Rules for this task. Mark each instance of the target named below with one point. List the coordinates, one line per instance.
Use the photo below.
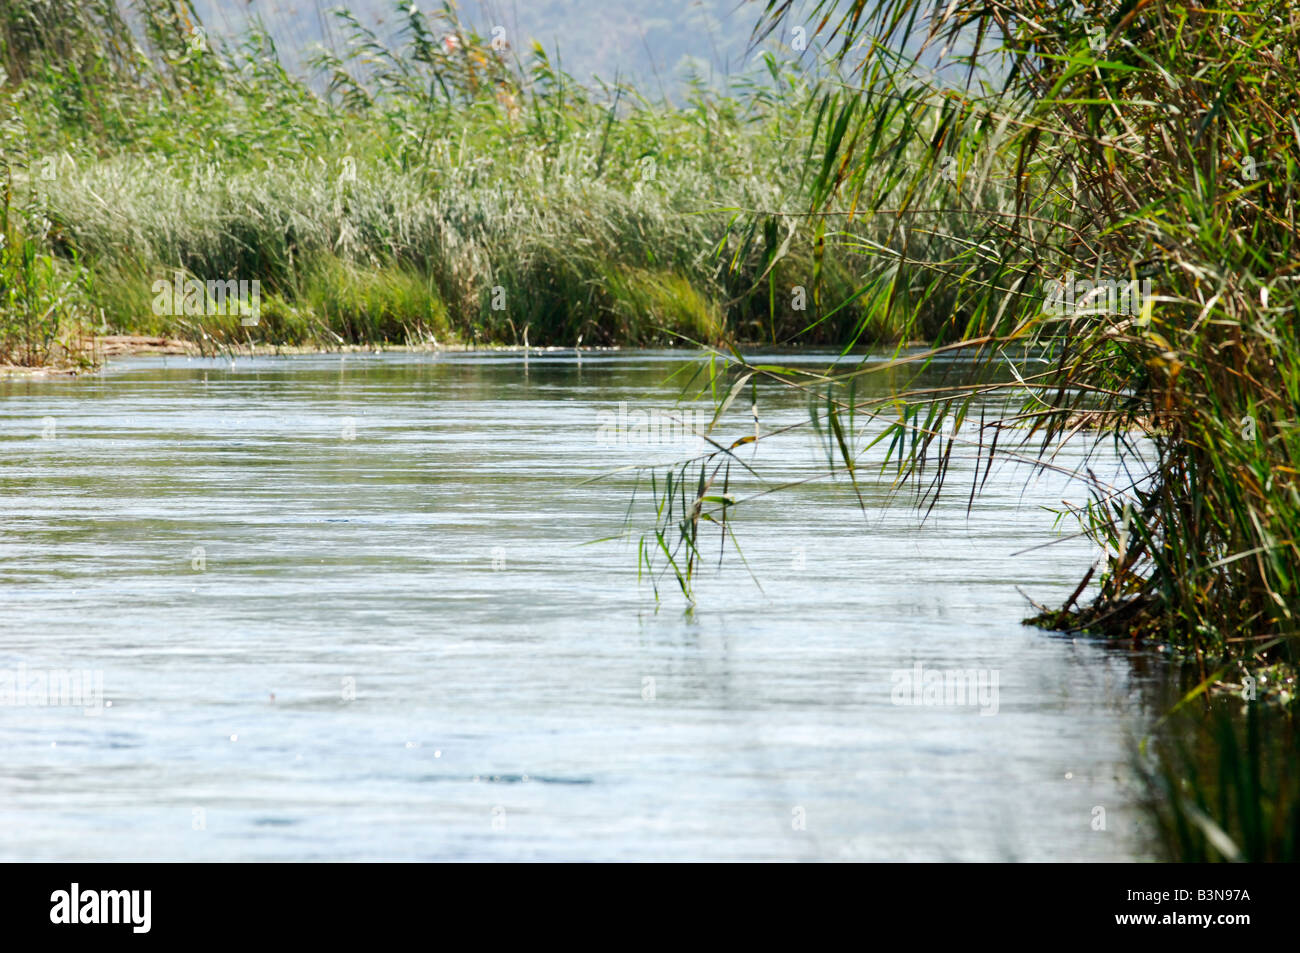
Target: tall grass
(42, 298)
(505, 200)
(1114, 146)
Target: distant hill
(654, 43)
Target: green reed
(488, 194)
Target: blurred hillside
(656, 44)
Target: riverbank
(100, 349)
(466, 192)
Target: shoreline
(107, 347)
(103, 348)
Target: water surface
(349, 608)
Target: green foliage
(1113, 141)
(477, 175)
(41, 296)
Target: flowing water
(357, 607)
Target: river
(351, 608)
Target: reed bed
(445, 190)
